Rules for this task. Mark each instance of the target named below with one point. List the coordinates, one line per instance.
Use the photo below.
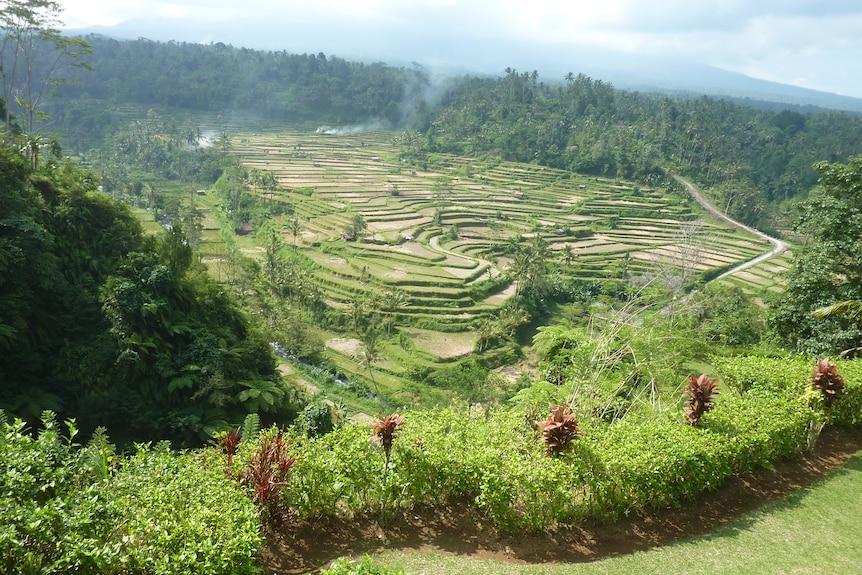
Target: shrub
(786, 376)
(51, 518)
(67, 510)
(182, 515)
(848, 411)
(558, 429)
(825, 379)
(334, 473)
(491, 460)
(759, 427)
(229, 443)
(316, 419)
(699, 393)
(266, 472)
(384, 430)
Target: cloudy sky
(808, 43)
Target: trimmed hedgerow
(181, 514)
(786, 376)
(494, 462)
(846, 411)
(790, 378)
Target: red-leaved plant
(229, 443)
(560, 428)
(384, 430)
(826, 380)
(699, 393)
(267, 472)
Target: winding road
(778, 246)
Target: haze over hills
(484, 55)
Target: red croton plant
(267, 472)
(229, 443)
(826, 380)
(699, 393)
(558, 429)
(384, 427)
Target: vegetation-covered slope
(120, 329)
(374, 241)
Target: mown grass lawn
(814, 531)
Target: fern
(250, 427)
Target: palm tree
(487, 332)
(370, 353)
(568, 255)
(393, 300)
(295, 228)
(356, 312)
(851, 308)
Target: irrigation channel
(778, 246)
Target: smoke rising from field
(350, 130)
(207, 138)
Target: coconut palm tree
(393, 300)
(370, 353)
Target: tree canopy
(826, 268)
(116, 328)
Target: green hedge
(64, 510)
(494, 462)
(790, 378)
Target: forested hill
(224, 79)
(751, 160)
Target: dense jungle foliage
(752, 160)
(99, 321)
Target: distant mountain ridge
(485, 56)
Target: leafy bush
(790, 378)
(336, 472)
(266, 472)
(65, 509)
(384, 427)
(183, 515)
(759, 427)
(786, 376)
(558, 429)
(847, 410)
(52, 516)
(827, 381)
(494, 461)
(316, 418)
(652, 465)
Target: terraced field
(440, 234)
(764, 276)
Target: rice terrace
(439, 234)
